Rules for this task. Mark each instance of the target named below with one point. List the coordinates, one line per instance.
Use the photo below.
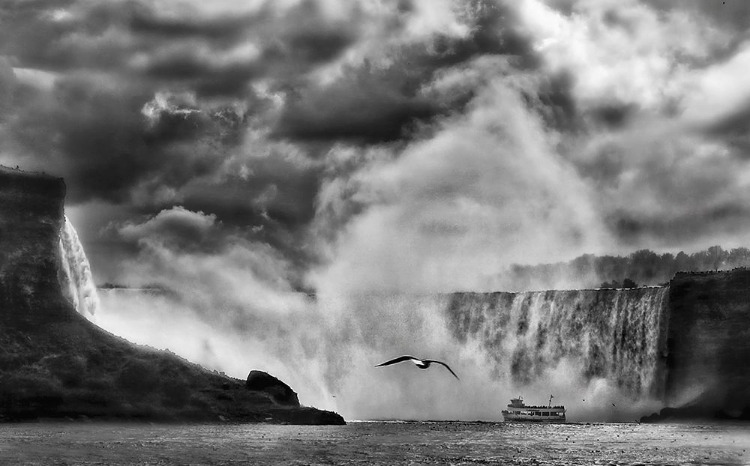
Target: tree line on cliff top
(640, 268)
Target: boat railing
(537, 407)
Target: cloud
(7, 85)
(368, 107)
(178, 228)
(658, 116)
(381, 98)
(241, 111)
(719, 98)
(94, 134)
(730, 15)
(225, 108)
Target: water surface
(455, 443)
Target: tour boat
(518, 411)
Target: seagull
(421, 363)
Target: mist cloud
(430, 232)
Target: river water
(384, 443)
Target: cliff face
(708, 363)
(31, 215)
(54, 363)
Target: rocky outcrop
(56, 364)
(279, 391)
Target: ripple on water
(375, 443)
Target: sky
(246, 154)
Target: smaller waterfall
(76, 280)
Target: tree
(739, 257)
(628, 283)
(682, 262)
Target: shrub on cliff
(139, 376)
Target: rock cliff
(708, 362)
(56, 364)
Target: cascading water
(613, 334)
(77, 282)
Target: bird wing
(443, 364)
(396, 360)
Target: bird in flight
(420, 363)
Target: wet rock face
(708, 363)
(278, 390)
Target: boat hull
(530, 418)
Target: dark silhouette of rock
(279, 391)
(709, 341)
(54, 363)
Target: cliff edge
(56, 364)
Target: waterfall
(616, 335)
(77, 282)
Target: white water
(76, 280)
(615, 336)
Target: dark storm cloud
(557, 104)
(144, 108)
(28, 33)
(276, 193)
(305, 37)
(215, 55)
(7, 86)
(206, 79)
(365, 108)
(372, 103)
(612, 115)
(224, 29)
(734, 129)
(97, 137)
(273, 204)
(221, 56)
(111, 60)
(633, 228)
